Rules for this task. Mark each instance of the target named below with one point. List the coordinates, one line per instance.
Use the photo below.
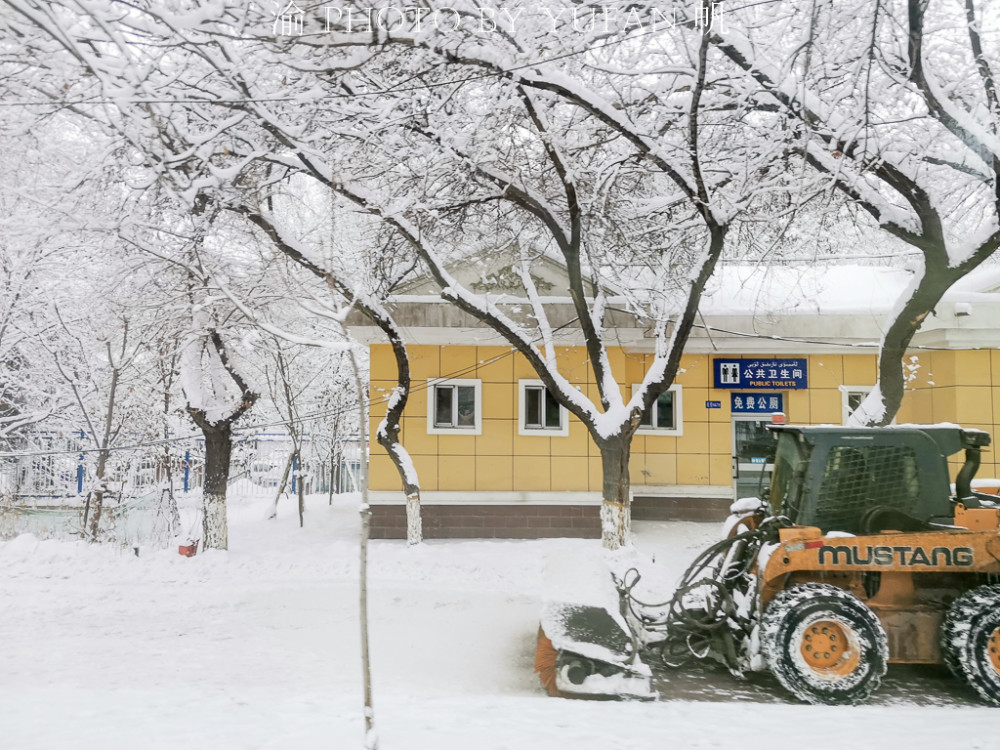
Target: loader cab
(837, 478)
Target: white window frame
(433, 429)
(678, 430)
(522, 429)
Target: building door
(753, 447)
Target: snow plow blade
(585, 648)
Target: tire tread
(798, 601)
(959, 632)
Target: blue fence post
(79, 468)
(187, 468)
(295, 464)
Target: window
(539, 413)
(664, 416)
(851, 397)
(858, 478)
(454, 406)
(785, 495)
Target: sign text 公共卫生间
(770, 374)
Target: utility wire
(447, 376)
(327, 97)
(280, 423)
(248, 428)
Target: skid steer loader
(857, 556)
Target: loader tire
(970, 641)
(824, 644)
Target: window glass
(443, 406)
(660, 414)
(854, 399)
(532, 406)
(786, 460)
(454, 405)
(857, 478)
(553, 416)
(665, 410)
(851, 397)
(541, 410)
(466, 406)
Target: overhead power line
(311, 417)
(423, 386)
(230, 101)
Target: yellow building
(496, 457)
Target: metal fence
(47, 495)
(134, 522)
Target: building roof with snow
(745, 308)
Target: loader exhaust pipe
(963, 482)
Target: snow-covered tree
(217, 396)
(297, 378)
(179, 148)
(359, 274)
(896, 104)
(52, 208)
(98, 374)
(629, 187)
(537, 141)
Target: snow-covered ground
(259, 648)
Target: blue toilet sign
(769, 374)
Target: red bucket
(189, 550)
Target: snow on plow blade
(585, 648)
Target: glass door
(753, 449)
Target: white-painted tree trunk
(616, 508)
(414, 526)
(215, 531)
(616, 525)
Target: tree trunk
(388, 434)
(388, 438)
(98, 506)
(302, 490)
(218, 448)
(175, 515)
(414, 524)
(882, 405)
(95, 516)
(281, 485)
(329, 481)
(168, 464)
(616, 510)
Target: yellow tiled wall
(961, 387)
(498, 459)
(950, 386)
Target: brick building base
(491, 521)
(680, 508)
(536, 521)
